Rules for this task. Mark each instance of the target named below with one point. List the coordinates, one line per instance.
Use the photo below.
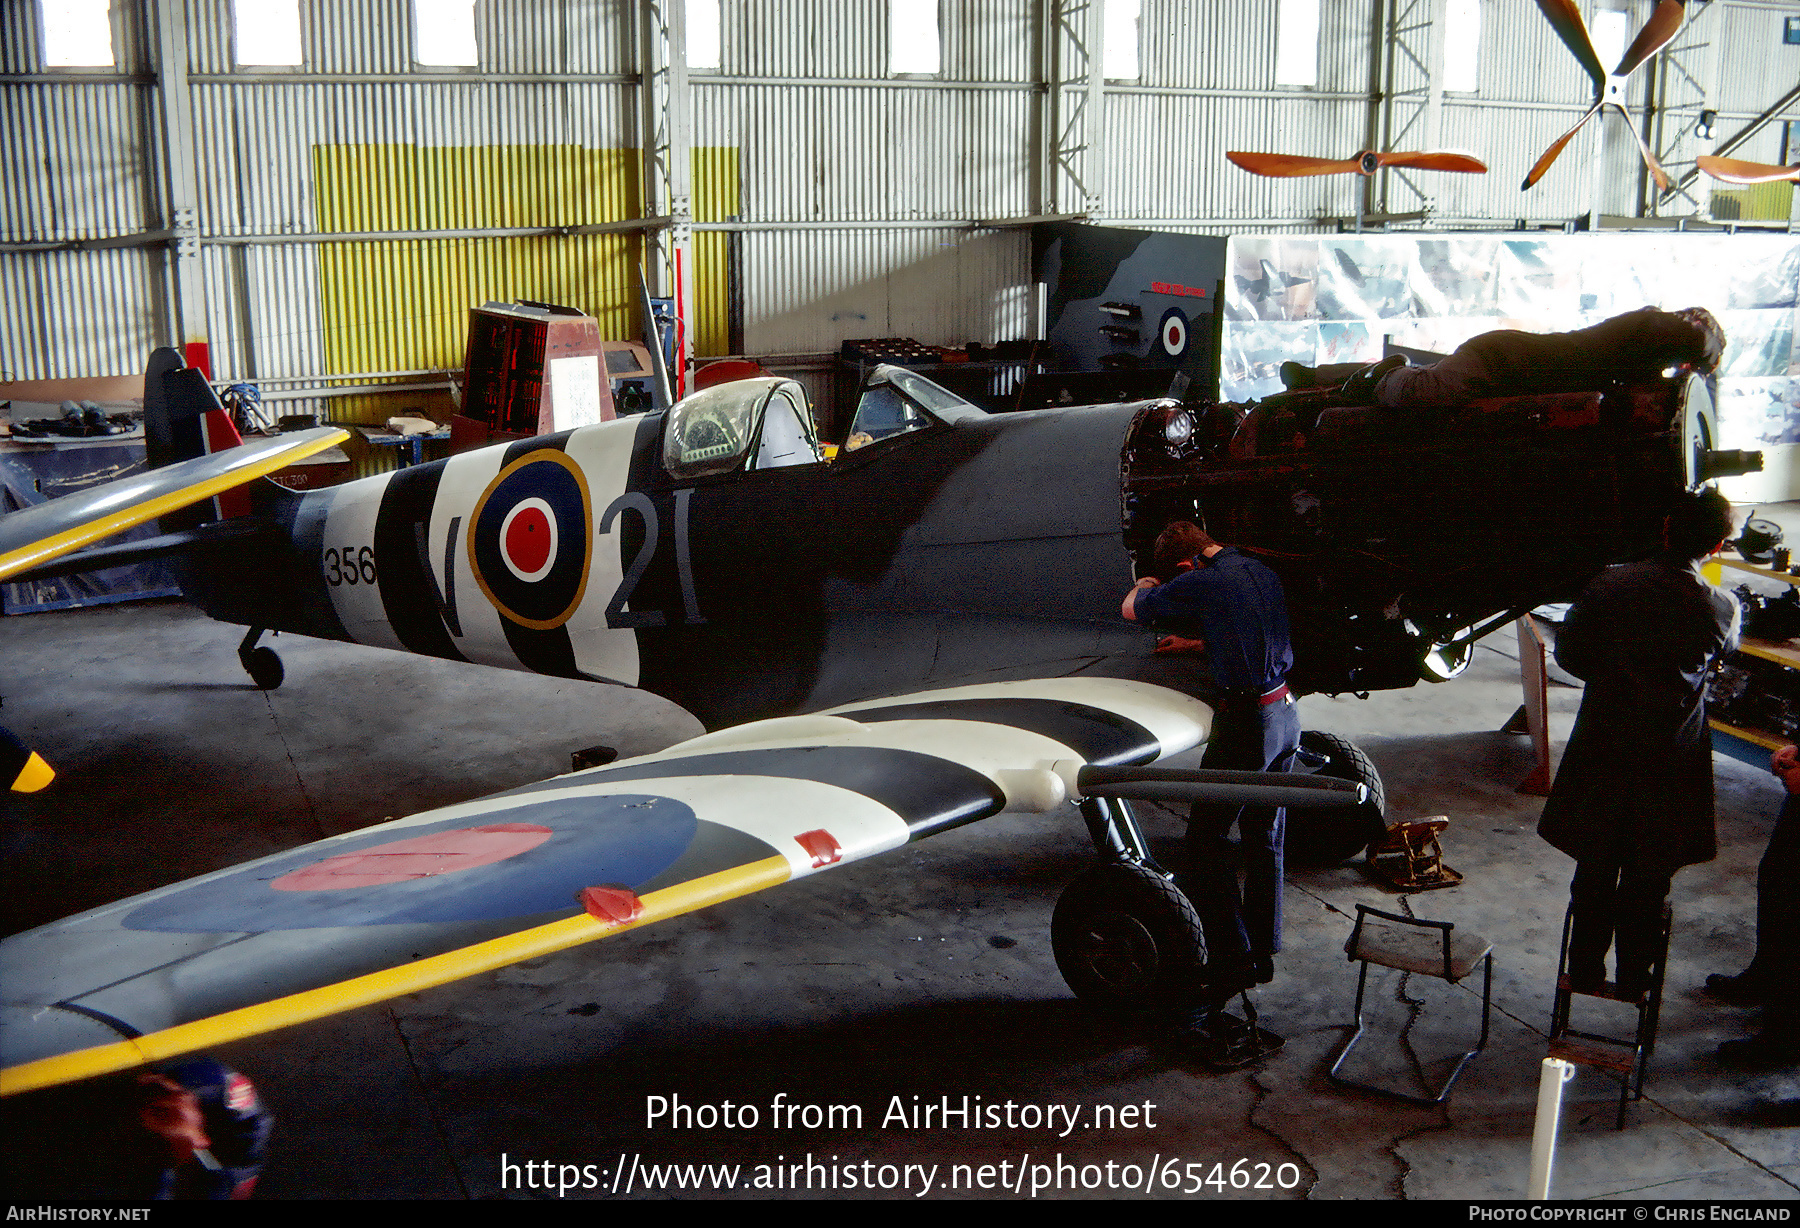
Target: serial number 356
(350, 566)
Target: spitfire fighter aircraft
(913, 634)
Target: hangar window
(444, 33)
(703, 35)
(77, 33)
(1297, 43)
(1121, 54)
(1608, 33)
(266, 31)
(1462, 45)
(714, 431)
(913, 45)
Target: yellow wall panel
(404, 305)
(715, 178)
(1760, 202)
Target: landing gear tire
(1328, 835)
(1126, 938)
(265, 668)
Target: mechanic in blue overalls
(1235, 608)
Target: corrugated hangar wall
(841, 196)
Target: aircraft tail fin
(184, 419)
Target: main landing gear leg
(263, 666)
(1113, 827)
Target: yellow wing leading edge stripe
(55, 546)
(389, 982)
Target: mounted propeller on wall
(1731, 170)
(1366, 163)
(1609, 89)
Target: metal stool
(1628, 1058)
(1408, 945)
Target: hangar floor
(924, 974)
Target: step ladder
(1628, 1057)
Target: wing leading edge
(33, 536)
(449, 893)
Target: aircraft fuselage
(982, 547)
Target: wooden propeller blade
(1565, 19)
(1656, 171)
(1290, 166)
(1731, 170)
(1436, 160)
(1543, 164)
(1655, 35)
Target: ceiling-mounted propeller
(1293, 166)
(1731, 170)
(1366, 163)
(1609, 89)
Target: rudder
(184, 419)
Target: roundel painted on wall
(1173, 332)
(531, 539)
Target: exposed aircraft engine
(1403, 534)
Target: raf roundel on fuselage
(532, 537)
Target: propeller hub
(1368, 162)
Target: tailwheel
(263, 666)
(265, 669)
(1125, 937)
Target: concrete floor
(926, 973)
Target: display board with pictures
(1331, 299)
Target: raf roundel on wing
(532, 540)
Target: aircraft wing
(35, 535)
(421, 901)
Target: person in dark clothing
(1633, 797)
(1234, 608)
(1506, 362)
(1772, 981)
(1636, 345)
